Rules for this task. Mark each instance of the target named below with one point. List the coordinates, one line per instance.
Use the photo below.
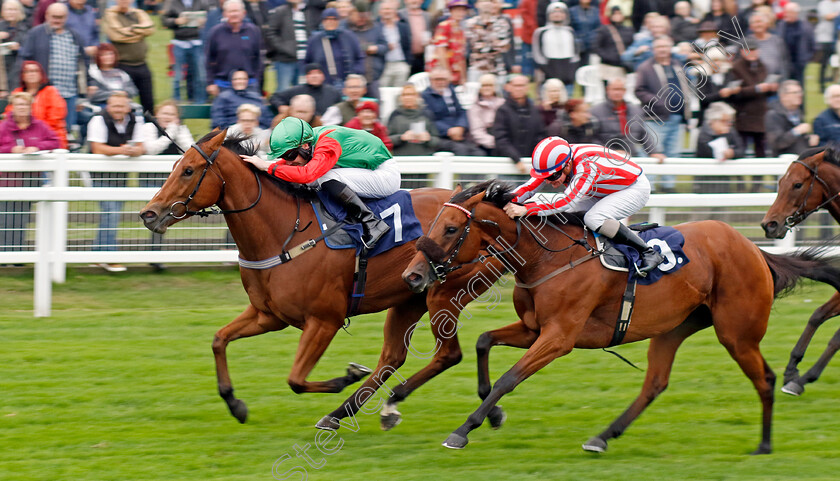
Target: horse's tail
(812, 263)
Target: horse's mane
(242, 144)
(499, 193)
(831, 153)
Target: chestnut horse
(811, 183)
(311, 291)
(567, 302)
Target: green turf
(119, 384)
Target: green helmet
(289, 134)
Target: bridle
(798, 216)
(210, 160)
(441, 269)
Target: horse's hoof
(328, 423)
(455, 441)
(357, 372)
(595, 445)
(793, 388)
(496, 417)
(390, 421)
(239, 410)
(762, 449)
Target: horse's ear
(216, 141)
(474, 200)
(457, 190)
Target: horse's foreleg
(316, 337)
(250, 323)
(792, 383)
(397, 329)
(549, 345)
(661, 353)
(514, 335)
(797, 386)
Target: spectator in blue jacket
(223, 109)
(799, 39)
(233, 45)
(335, 49)
(642, 47)
(449, 117)
(397, 32)
(372, 42)
(585, 20)
(827, 123)
(81, 18)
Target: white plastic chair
(420, 80)
(589, 77)
(388, 102)
(630, 94)
(467, 94)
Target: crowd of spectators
(500, 76)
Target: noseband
(209, 161)
(440, 269)
(799, 215)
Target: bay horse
(811, 183)
(567, 302)
(311, 291)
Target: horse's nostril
(148, 215)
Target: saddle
(667, 240)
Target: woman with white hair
(555, 47)
(719, 141)
(553, 97)
(482, 113)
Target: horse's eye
(451, 230)
(797, 185)
(188, 172)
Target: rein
(210, 160)
(441, 269)
(792, 220)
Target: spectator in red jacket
(367, 118)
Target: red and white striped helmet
(550, 155)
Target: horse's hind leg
(250, 323)
(741, 335)
(514, 335)
(661, 353)
(316, 337)
(793, 384)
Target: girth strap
(359, 281)
(628, 300)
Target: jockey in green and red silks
(345, 163)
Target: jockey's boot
(650, 257)
(374, 227)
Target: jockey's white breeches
(617, 205)
(382, 182)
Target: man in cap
(343, 162)
(335, 49)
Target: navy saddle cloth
(667, 240)
(396, 210)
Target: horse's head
(451, 241)
(194, 184)
(801, 192)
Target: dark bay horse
(811, 183)
(311, 291)
(729, 284)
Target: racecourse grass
(119, 384)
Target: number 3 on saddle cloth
(667, 240)
(396, 210)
